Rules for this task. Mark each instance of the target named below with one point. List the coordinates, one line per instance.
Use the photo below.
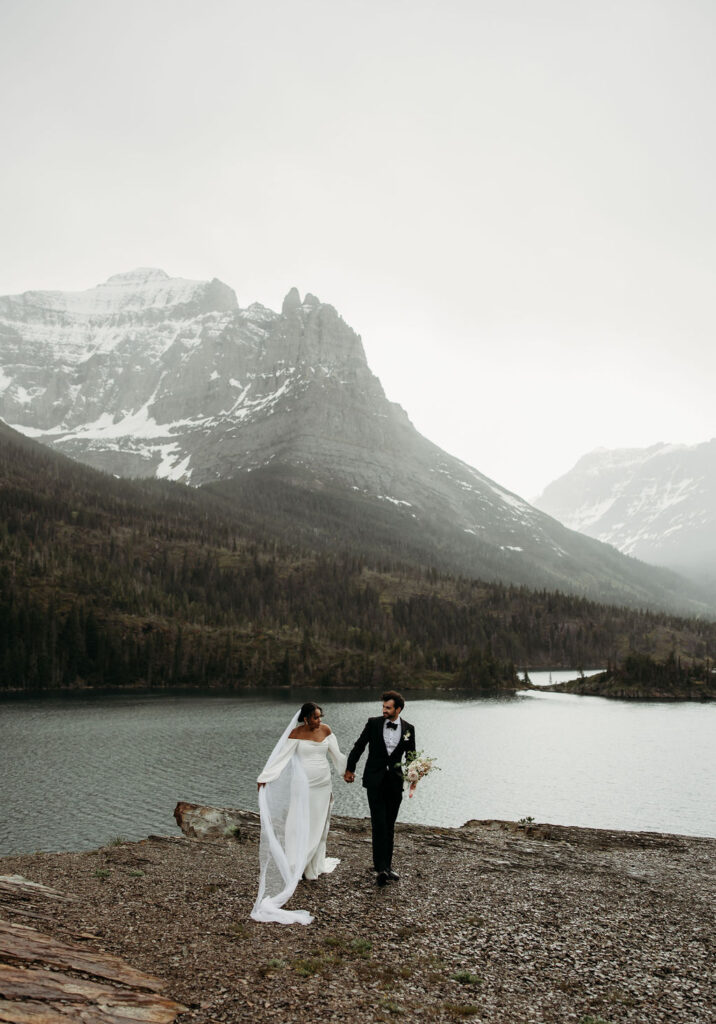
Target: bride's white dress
(313, 758)
(295, 806)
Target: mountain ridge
(657, 503)
(159, 385)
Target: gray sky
(512, 201)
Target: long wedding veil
(283, 848)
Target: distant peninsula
(641, 677)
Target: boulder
(200, 822)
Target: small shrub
(462, 1009)
(362, 947)
(102, 873)
(307, 967)
(467, 978)
(391, 1007)
(271, 965)
(389, 974)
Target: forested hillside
(109, 583)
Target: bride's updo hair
(307, 710)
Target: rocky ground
(491, 922)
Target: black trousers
(384, 801)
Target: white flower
(417, 766)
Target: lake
(77, 773)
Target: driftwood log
(40, 976)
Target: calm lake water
(75, 774)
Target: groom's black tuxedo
(383, 780)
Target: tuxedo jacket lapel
(379, 761)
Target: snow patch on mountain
(657, 504)
(171, 465)
(394, 501)
(151, 376)
(140, 289)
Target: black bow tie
(392, 725)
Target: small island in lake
(640, 677)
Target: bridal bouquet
(417, 766)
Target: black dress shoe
(394, 876)
(381, 878)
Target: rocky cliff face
(151, 376)
(147, 375)
(657, 504)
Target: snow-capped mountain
(147, 375)
(657, 504)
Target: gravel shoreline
(490, 922)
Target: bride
(295, 803)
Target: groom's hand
(349, 776)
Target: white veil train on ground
(283, 848)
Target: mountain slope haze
(657, 504)
(151, 376)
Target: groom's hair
(395, 697)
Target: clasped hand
(349, 776)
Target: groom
(388, 737)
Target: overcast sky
(511, 201)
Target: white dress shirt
(391, 737)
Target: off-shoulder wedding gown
(295, 806)
(313, 758)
